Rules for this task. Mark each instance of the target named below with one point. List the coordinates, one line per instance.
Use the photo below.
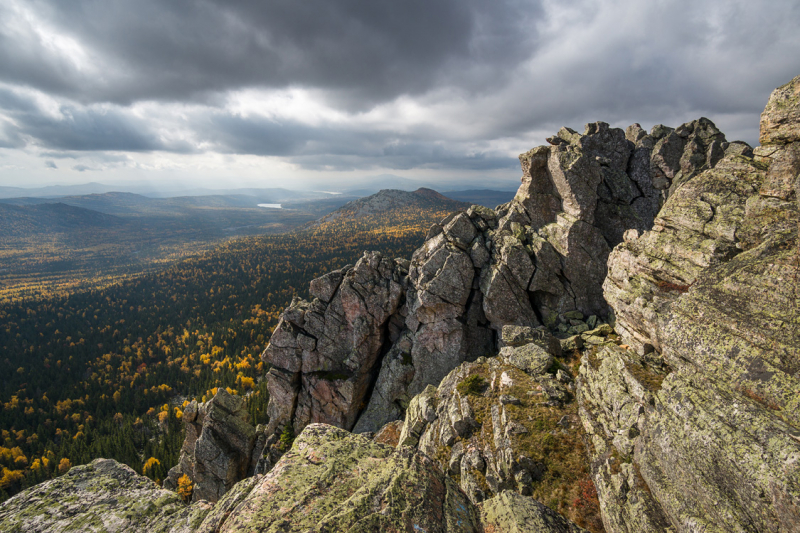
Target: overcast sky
(296, 93)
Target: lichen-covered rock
(673, 450)
(510, 512)
(217, 450)
(698, 227)
(496, 428)
(702, 433)
(101, 497)
(332, 480)
(780, 121)
(530, 358)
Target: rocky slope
(330, 480)
(621, 342)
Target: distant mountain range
(364, 187)
(276, 195)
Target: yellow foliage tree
(185, 487)
(64, 465)
(9, 477)
(149, 464)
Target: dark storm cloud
(77, 128)
(446, 81)
(365, 51)
(342, 148)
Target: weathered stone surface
(421, 411)
(101, 497)
(497, 428)
(780, 121)
(217, 451)
(522, 335)
(389, 434)
(783, 174)
(702, 432)
(655, 468)
(443, 319)
(323, 355)
(699, 226)
(530, 358)
(349, 483)
(324, 287)
(510, 512)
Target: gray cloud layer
(480, 79)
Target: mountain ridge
(390, 199)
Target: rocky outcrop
(103, 496)
(509, 423)
(696, 428)
(538, 260)
(330, 480)
(637, 302)
(217, 450)
(508, 512)
(780, 121)
(323, 354)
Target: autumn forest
(107, 372)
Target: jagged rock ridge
(697, 427)
(691, 418)
(528, 263)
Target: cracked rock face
(217, 450)
(375, 335)
(323, 352)
(696, 427)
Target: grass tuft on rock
(473, 385)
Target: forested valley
(107, 372)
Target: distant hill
(25, 220)
(485, 197)
(52, 191)
(392, 199)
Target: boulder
(530, 358)
(347, 482)
(511, 512)
(780, 121)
